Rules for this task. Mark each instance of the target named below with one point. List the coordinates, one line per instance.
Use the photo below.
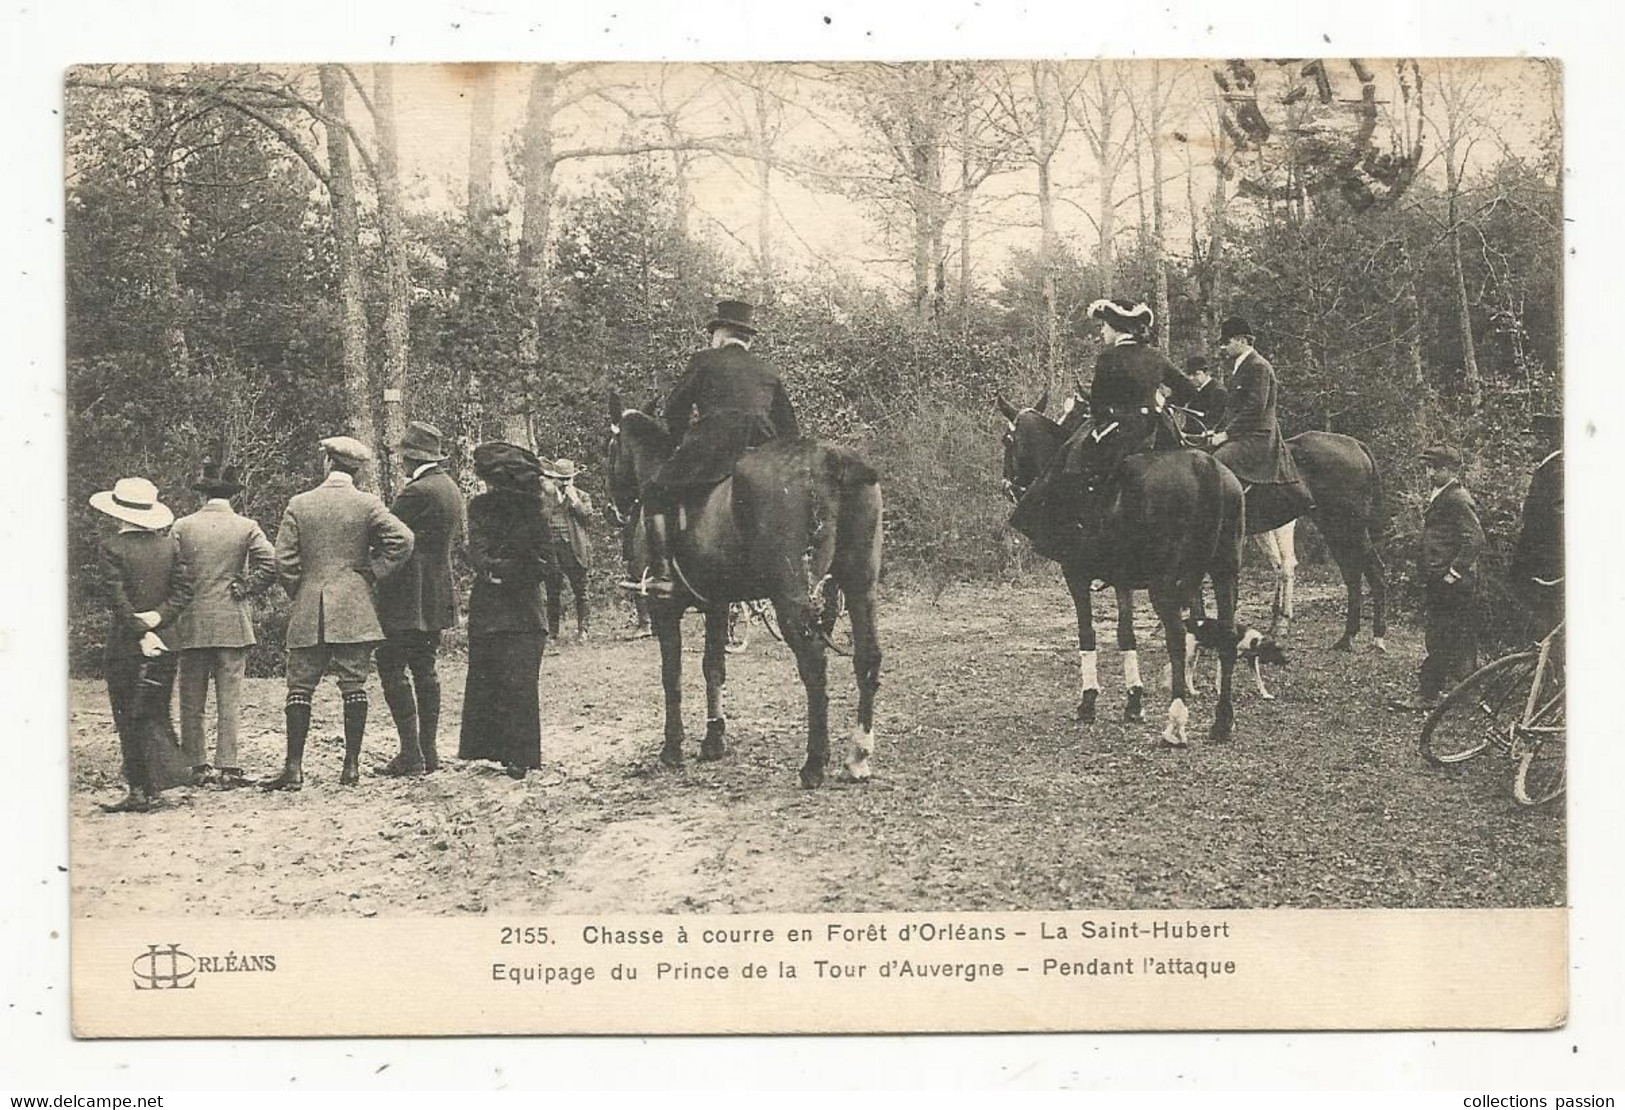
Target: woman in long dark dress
(511, 549)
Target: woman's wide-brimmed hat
(1235, 328)
(506, 463)
(1131, 318)
(422, 442)
(218, 481)
(134, 501)
(733, 314)
(564, 470)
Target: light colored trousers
(226, 666)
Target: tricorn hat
(347, 449)
(422, 442)
(1135, 319)
(218, 481)
(1440, 455)
(134, 501)
(565, 470)
(733, 314)
(1234, 327)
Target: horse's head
(637, 444)
(1030, 442)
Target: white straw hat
(135, 501)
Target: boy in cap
(145, 584)
(335, 542)
(418, 603)
(231, 561)
(1452, 540)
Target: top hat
(422, 442)
(1134, 319)
(506, 463)
(134, 501)
(564, 470)
(1197, 364)
(347, 449)
(733, 314)
(218, 481)
(1235, 327)
(1440, 455)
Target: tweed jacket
(143, 572)
(334, 543)
(567, 518)
(221, 548)
(422, 596)
(1452, 537)
(511, 551)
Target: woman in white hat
(146, 586)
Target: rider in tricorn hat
(728, 402)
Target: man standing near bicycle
(1452, 541)
(1537, 561)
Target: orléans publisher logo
(168, 967)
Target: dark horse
(1175, 517)
(1350, 512)
(797, 518)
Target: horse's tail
(847, 470)
(1377, 529)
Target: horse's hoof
(671, 757)
(812, 777)
(1086, 707)
(1216, 735)
(1134, 710)
(710, 752)
(1379, 645)
(859, 773)
(1345, 644)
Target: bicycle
(1515, 704)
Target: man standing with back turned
(335, 542)
(418, 603)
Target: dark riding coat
(1539, 553)
(1126, 379)
(1256, 452)
(1211, 403)
(422, 595)
(728, 402)
(1452, 537)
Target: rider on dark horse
(1249, 441)
(728, 402)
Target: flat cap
(347, 449)
(1442, 456)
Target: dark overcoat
(1539, 553)
(422, 596)
(510, 548)
(1126, 379)
(728, 402)
(1256, 452)
(1452, 537)
(1210, 403)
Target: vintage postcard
(816, 547)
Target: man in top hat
(231, 562)
(335, 542)
(1537, 561)
(728, 401)
(419, 602)
(570, 511)
(1249, 441)
(1452, 540)
(1201, 392)
(146, 585)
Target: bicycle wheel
(1480, 712)
(1542, 755)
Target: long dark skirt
(501, 714)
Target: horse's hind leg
(668, 625)
(1349, 551)
(1134, 705)
(866, 666)
(1170, 611)
(715, 667)
(1224, 716)
(1279, 547)
(1377, 573)
(796, 621)
(1078, 583)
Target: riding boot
(429, 724)
(659, 581)
(297, 712)
(355, 726)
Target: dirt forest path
(986, 794)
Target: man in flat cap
(1452, 541)
(335, 542)
(420, 602)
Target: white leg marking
(1178, 717)
(857, 758)
(1131, 669)
(1258, 676)
(1088, 679)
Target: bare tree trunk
(347, 248)
(166, 259)
(1159, 264)
(962, 207)
(1464, 317)
(1216, 237)
(397, 270)
(481, 125)
(1046, 262)
(766, 269)
(534, 232)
